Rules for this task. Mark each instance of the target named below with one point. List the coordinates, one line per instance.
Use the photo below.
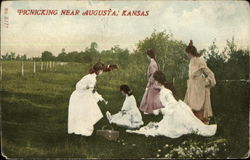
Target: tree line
(231, 63)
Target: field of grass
(34, 112)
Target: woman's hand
(207, 82)
(106, 102)
(123, 112)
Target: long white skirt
(178, 120)
(83, 113)
(127, 120)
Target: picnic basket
(109, 134)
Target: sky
(201, 21)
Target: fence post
(50, 65)
(173, 80)
(47, 65)
(53, 65)
(22, 69)
(34, 67)
(42, 66)
(1, 68)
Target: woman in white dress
(83, 110)
(129, 116)
(178, 118)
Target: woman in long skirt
(150, 102)
(201, 79)
(84, 111)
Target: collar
(93, 74)
(193, 58)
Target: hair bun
(191, 43)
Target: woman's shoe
(156, 112)
(108, 115)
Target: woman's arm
(98, 97)
(82, 84)
(152, 68)
(211, 82)
(126, 105)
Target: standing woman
(201, 79)
(150, 102)
(84, 111)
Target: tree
(47, 56)
(12, 55)
(231, 45)
(93, 48)
(92, 52)
(73, 57)
(238, 65)
(24, 57)
(170, 53)
(5, 56)
(18, 57)
(122, 57)
(36, 58)
(231, 63)
(62, 56)
(216, 60)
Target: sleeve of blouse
(98, 97)
(152, 68)
(210, 77)
(132, 107)
(82, 84)
(164, 101)
(126, 105)
(85, 82)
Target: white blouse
(167, 100)
(88, 81)
(129, 104)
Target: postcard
(109, 79)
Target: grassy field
(34, 112)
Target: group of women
(179, 118)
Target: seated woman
(178, 118)
(129, 116)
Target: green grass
(35, 108)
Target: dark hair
(97, 67)
(160, 77)
(151, 54)
(192, 50)
(110, 67)
(125, 88)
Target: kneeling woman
(84, 111)
(129, 116)
(178, 118)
